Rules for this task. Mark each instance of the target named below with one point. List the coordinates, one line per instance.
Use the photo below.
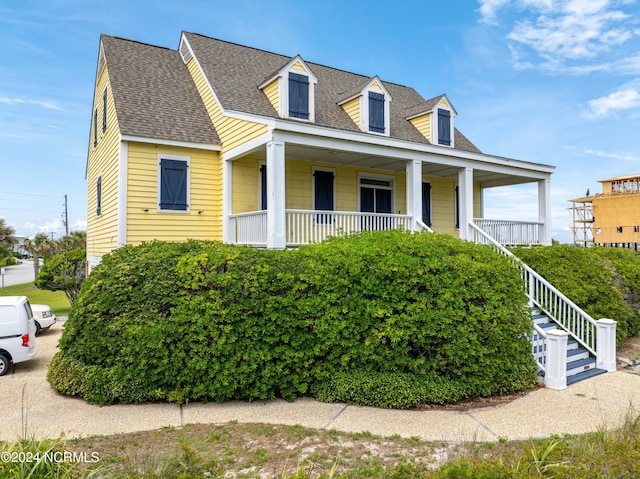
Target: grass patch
(56, 299)
(295, 452)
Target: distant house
(609, 218)
(221, 141)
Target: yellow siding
(232, 132)
(142, 193)
(423, 124)
(442, 205)
(444, 103)
(245, 188)
(352, 107)
(376, 86)
(272, 92)
(477, 200)
(102, 231)
(298, 66)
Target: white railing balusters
(507, 232)
(549, 300)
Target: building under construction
(610, 218)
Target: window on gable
(95, 128)
(298, 96)
(376, 112)
(104, 110)
(99, 196)
(173, 185)
(444, 127)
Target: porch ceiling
(360, 160)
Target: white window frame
(377, 176)
(105, 101)
(434, 126)
(430, 224)
(187, 159)
(364, 109)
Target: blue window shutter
(95, 128)
(263, 184)
(298, 96)
(376, 112)
(444, 127)
(104, 110)
(323, 190)
(99, 196)
(457, 207)
(173, 185)
(426, 203)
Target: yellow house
(220, 141)
(609, 218)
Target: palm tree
(39, 246)
(7, 240)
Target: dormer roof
(428, 106)
(360, 89)
(295, 64)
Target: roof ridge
(308, 62)
(116, 37)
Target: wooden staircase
(580, 363)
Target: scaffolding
(582, 216)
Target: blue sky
(549, 81)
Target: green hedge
(200, 321)
(604, 282)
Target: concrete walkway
(28, 403)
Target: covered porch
(297, 189)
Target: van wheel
(38, 328)
(4, 364)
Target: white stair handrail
(551, 301)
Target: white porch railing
(597, 337)
(249, 228)
(309, 226)
(511, 233)
(312, 226)
(548, 299)
(538, 341)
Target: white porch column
(414, 193)
(276, 219)
(544, 210)
(606, 345)
(465, 202)
(556, 375)
(228, 226)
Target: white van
(17, 332)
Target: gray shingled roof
(154, 94)
(235, 72)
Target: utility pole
(66, 216)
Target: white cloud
(623, 99)
(21, 101)
(555, 35)
(79, 225)
(626, 156)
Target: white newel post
(465, 202)
(606, 345)
(556, 374)
(544, 210)
(414, 193)
(276, 219)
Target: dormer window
(298, 96)
(376, 112)
(368, 105)
(291, 90)
(434, 119)
(444, 127)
